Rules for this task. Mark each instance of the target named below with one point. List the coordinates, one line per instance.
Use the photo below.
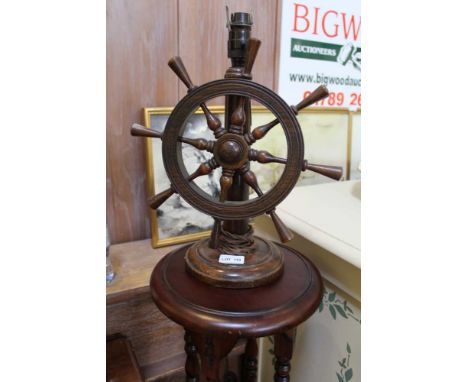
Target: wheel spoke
(138, 130)
(263, 156)
(204, 169)
(284, 233)
(178, 67)
(238, 118)
(198, 143)
(260, 131)
(251, 179)
(225, 182)
(333, 172)
(213, 122)
(214, 239)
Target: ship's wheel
(232, 151)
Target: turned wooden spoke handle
(252, 49)
(263, 156)
(199, 143)
(140, 131)
(215, 232)
(178, 67)
(238, 118)
(333, 172)
(251, 179)
(317, 95)
(157, 200)
(204, 169)
(225, 182)
(260, 131)
(284, 232)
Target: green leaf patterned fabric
(332, 311)
(348, 374)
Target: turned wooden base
(263, 266)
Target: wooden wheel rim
(194, 195)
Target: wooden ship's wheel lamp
(260, 261)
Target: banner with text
(321, 44)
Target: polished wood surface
(137, 77)
(121, 364)
(283, 351)
(137, 33)
(263, 264)
(263, 311)
(215, 318)
(131, 311)
(133, 263)
(156, 339)
(250, 361)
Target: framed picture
(325, 132)
(176, 221)
(328, 135)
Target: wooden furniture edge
(133, 263)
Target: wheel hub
(231, 151)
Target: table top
(133, 263)
(253, 312)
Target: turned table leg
(192, 368)
(212, 350)
(249, 361)
(283, 350)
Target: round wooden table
(214, 319)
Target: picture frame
(326, 141)
(328, 134)
(354, 136)
(175, 222)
